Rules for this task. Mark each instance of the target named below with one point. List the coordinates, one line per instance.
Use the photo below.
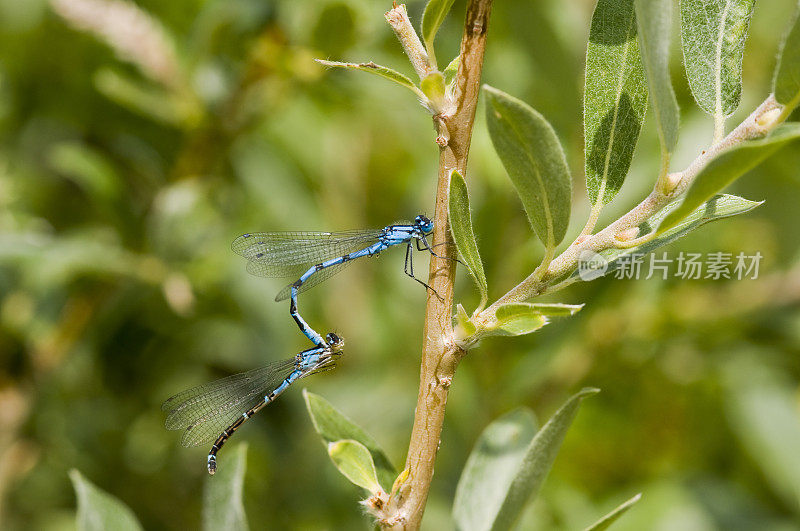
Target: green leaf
(516, 319)
(464, 327)
(378, 70)
(539, 458)
(786, 83)
(556, 309)
(519, 318)
(615, 98)
(606, 521)
(491, 468)
(98, 510)
(433, 88)
(222, 495)
(355, 463)
(463, 236)
(432, 18)
(713, 34)
(727, 167)
(535, 162)
(333, 426)
(654, 18)
(451, 70)
(718, 207)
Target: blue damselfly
(286, 254)
(214, 411)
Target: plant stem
(439, 356)
(535, 284)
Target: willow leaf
(786, 84)
(463, 235)
(98, 510)
(490, 469)
(535, 162)
(615, 98)
(432, 18)
(654, 18)
(383, 71)
(713, 34)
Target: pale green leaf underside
(432, 18)
(433, 88)
(355, 463)
(713, 34)
(555, 309)
(535, 162)
(516, 319)
(538, 459)
(451, 70)
(333, 426)
(383, 71)
(718, 207)
(727, 167)
(615, 98)
(223, 507)
(654, 18)
(519, 318)
(786, 84)
(463, 235)
(606, 521)
(490, 469)
(98, 510)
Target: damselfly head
(423, 223)
(335, 342)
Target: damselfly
(284, 254)
(214, 411)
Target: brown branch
(439, 356)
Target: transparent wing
(281, 254)
(313, 280)
(204, 411)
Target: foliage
(124, 176)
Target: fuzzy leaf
(606, 521)
(432, 18)
(451, 70)
(464, 327)
(433, 88)
(383, 71)
(355, 463)
(727, 167)
(615, 98)
(786, 84)
(463, 236)
(98, 510)
(222, 496)
(555, 309)
(539, 458)
(719, 207)
(713, 34)
(516, 319)
(333, 426)
(535, 162)
(654, 18)
(490, 469)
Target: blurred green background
(121, 188)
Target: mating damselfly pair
(213, 412)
